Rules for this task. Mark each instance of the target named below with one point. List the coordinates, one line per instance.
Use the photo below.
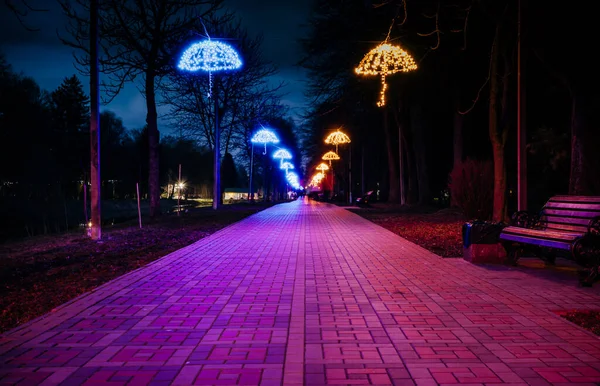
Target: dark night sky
(41, 55)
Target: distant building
(237, 194)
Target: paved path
(310, 293)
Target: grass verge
(40, 273)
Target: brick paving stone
(309, 293)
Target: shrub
(471, 185)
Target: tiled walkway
(306, 293)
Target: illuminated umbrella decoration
(329, 156)
(209, 56)
(292, 178)
(385, 59)
(322, 167)
(316, 179)
(286, 166)
(282, 154)
(264, 136)
(337, 138)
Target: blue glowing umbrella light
(282, 154)
(264, 136)
(286, 166)
(209, 56)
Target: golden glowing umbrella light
(329, 156)
(316, 179)
(322, 167)
(384, 60)
(337, 138)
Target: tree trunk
(401, 149)
(393, 181)
(153, 140)
(499, 209)
(584, 165)
(416, 123)
(412, 194)
(457, 141)
(458, 138)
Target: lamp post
(339, 138)
(212, 56)
(286, 166)
(329, 156)
(263, 136)
(383, 60)
(283, 154)
(95, 176)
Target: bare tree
(21, 9)
(245, 97)
(138, 38)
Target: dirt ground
(40, 273)
(439, 231)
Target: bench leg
(587, 277)
(586, 251)
(550, 258)
(511, 254)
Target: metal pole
(332, 182)
(96, 231)
(217, 155)
(251, 194)
(400, 165)
(137, 188)
(85, 211)
(350, 173)
(362, 170)
(179, 191)
(521, 127)
(265, 178)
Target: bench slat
(571, 213)
(535, 241)
(581, 230)
(575, 206)
(541, 233)
(584, 222)
(590, 199)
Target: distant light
(282, 154)
(209, 56)
(322, 167)
(329, 156)
(337, 138)
(264, 136)
(287, 166)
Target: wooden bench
(567, 225)
(364, 200)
